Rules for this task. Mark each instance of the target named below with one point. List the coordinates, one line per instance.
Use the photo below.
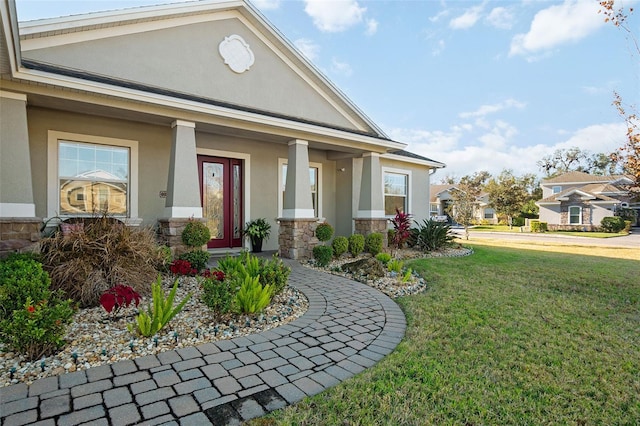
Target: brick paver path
(349, 327)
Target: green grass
(516, 229)
(504, 336)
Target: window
(315, 177)
(556, 189)
(575, 215)
(396, 190)
(92, 175)
(488, 214)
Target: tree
(576, 159)
(629, 153)
(508, 193)
(465, 198)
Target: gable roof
(43, 40)
(576, 177)
(587, 192)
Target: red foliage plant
(182, 267)
(402, 228)
(214, 274)
(119, 296)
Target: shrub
(197, 258)
(324, 232)
(395, 265)
(340, 246)
(322, 255)
(433, 235)
(106, 253)
(33, 318)
(275, 274)
(373, 243)
(612, 224)
(384, 258)
(537, 226)
(117, 297)
(218, 294)
(518, 221)
(401, 227)
(195, 234)
(160, 311)
(164, 258)
(356, 244)
(272, 272)
(182, 267)
(253, 297)
(407, 276)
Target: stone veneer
(296, 238)
(369, 226)
(18, 233)
(170, 234)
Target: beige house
(441, 199)
(577, 200)
(194, 110)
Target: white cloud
(441, 14)
(570, 21)
(438, 48)
(308, 48)
(490, 109)
(341, 67)
(464, 153)
(266, 4)
(335, 15)
(372, 27)
(468, 19)
(500, 17)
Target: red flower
(31, 309)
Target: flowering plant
(182, 267)
(117, 297)
(215, 274)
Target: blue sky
(478, 85)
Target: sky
(477, 85)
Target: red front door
(221, 194)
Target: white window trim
(282, 162)
(579, 215)
(409, 186)
(53, 194)
(553, 189)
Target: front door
(221, 193)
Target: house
(157, 115)
(441, 200)
(579, 201)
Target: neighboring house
(441, 199)
(577, 200)
(193, 110)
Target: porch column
(296, 233)
(370, 217)
(18, 225)
(183, 189)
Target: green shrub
(373, 243)
(272, 272)
(324, 232)
(33, 319)
(197, 258)
(275, 273)
(196, 234)
(356, 244)
(218, 295)
(627, 225)
(433, 235)
(537, 226)
(253, 297)
(612, 224)
(408, 274)
(322, 255)
(395, 265)
(160, 311)
(384, 258)
(518, 221)
(340, 246)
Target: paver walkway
(349, 327)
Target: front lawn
(516, 229)
(503, 336)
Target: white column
(183, 189)
(297, 203)
(371, 203)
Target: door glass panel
(237, 221)
(213, 198)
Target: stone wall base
(371, 225)
(587, 228)
(170, 233)
(19, 234)
(296, 238)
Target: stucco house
(193, 110)
(441, 198)
(579, 201)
